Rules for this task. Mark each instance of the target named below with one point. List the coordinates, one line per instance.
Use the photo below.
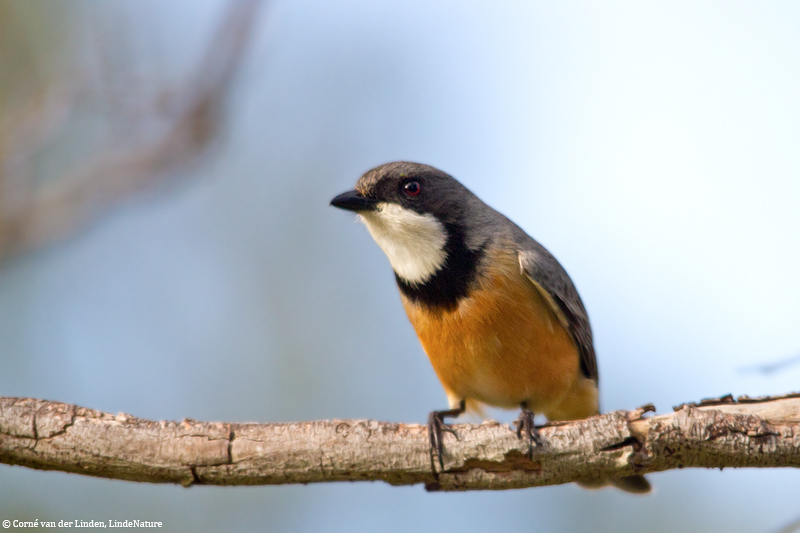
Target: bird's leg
(436, 426)
(525, 425)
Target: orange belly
(503, 345)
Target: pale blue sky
(652, 147)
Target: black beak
(353, 201)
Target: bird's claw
(525, 425)
(436, 427)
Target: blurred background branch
(152, 127)
(774, 366)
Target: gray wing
(557, 289)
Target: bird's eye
(412, 188)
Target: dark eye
(412, 188)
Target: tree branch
(747, 432)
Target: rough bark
(719, 433)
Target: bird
(496, 313)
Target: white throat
(413, 243)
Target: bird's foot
(525, 426)
(436, 427)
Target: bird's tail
(634, 484)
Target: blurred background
(167, 249)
